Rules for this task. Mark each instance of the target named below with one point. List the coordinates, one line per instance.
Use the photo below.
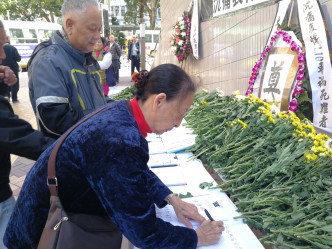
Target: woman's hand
(209, 232)
(7, 76)
(185, 211)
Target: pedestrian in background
(104, 60)
(134, 55)
(115, 50)
(12, 57)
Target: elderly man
(16, 137)
(134, 55)
(64, 81)
(115, 50)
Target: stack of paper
(178, 139)
(163, 160)
(170, 176)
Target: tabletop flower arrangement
(180, 38)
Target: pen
(208, 215)
(166, 165)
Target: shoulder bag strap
(52, 181)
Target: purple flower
(293, 109)
(300, 77)
(293, 103)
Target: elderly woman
(104, 60)
(102, 170)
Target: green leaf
(204, 185)
(298, 215)
(327, 228)
(280, 239)
(182, 196)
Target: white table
(237, 234)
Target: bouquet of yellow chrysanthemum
(275, 164)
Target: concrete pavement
(21, 165)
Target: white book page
(170, 176)
(163, 160)
(229, 239)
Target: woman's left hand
(185, 211)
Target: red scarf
(139, 117)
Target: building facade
(118, 8)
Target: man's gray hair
(77, 6)
(1, 25)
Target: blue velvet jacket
(101, 169)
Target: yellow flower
(205, 91)
(311, 157)
(204, 102)
(314, 149)
(237, 93)
(244, 125)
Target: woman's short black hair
(165, 78)
(103, 40)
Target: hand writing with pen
(209, 231)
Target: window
(16, 33)
(123, 10)
(148, 38)
(45, 34)
(23, 35)
(116, 10)
(30, 36)
(155, 38)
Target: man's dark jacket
(19, 138)
(12, 57)
(130, 49)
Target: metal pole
(142, 35)
(291, 14)
(102, 16)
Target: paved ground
(21, 165)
